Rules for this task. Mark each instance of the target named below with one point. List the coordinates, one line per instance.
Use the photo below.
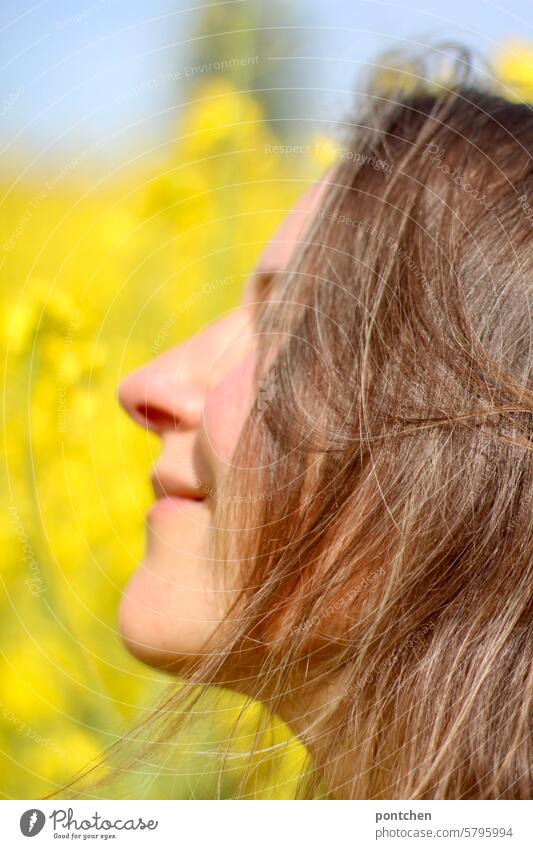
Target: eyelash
(264, 282)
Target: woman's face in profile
(195, 397)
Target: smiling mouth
(173, 498)
(173, 506)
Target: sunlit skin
(195, 397)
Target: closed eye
(262, 284)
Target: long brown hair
(380, 501)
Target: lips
(173, 497)
(168, 487)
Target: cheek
(225, 411)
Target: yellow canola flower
(219, 115)
(18, 324)
(72, 358)
(514, 68)
(29, 686)
(61, 753)
(182, 192)
(118, 224)
(56, 304)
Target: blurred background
(148, 150)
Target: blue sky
(70, 67)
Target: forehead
(279, 250)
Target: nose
(161, 396)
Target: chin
(141, 628)
(165, 620)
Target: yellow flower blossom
(514, 68)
